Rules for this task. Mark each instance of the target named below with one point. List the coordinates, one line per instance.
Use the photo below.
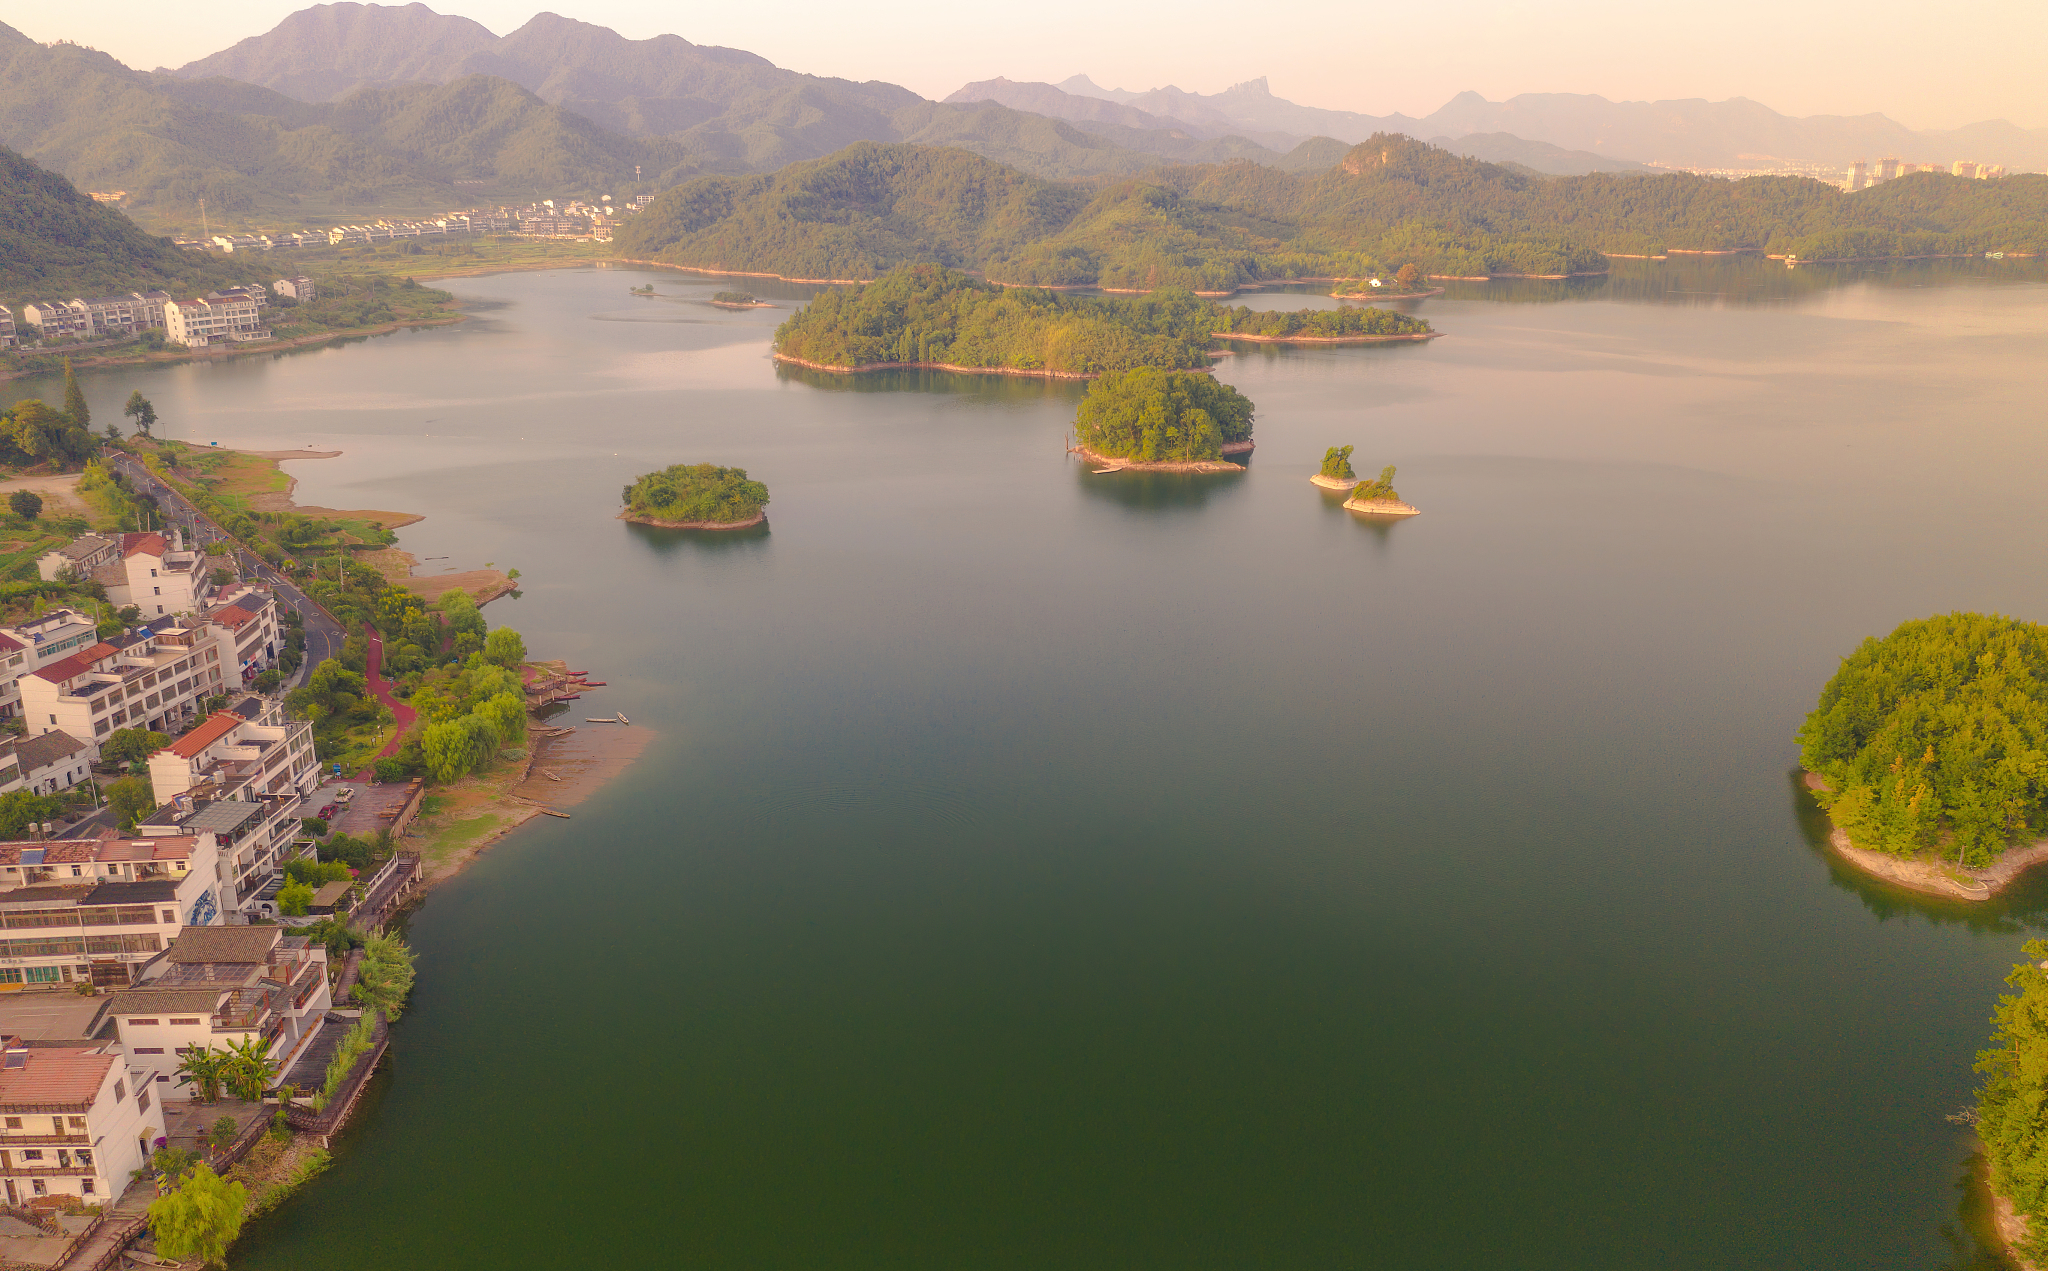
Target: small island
(645, 290)
(1379, 498)
(1406, 283)
(1925, 752)
(1336, 473)
(1320, 326)
(739, 300)
(696, 497)
(1156, 420)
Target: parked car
(327, 813)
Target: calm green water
(1041, 870)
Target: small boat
(552, 812)
(623, 719)
(593, 683)
(606, 720)
(568, 697)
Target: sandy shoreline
(1381, 507)
(1330, 339)
(242, 349)
(1936, 878)
(1341, 484)
(1108, 464)
(758, 518)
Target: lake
(1039, 869)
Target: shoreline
(793, 360)
(1410, 338)
(1382, 507)
(245, 349)
(1342, 484)
(727, 304)
(1933, 878)
(1138, 465)
(758, 518)
(1381, 295)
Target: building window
(170, 915)
(138, 1022)
(40, 1187)
(42, 974)
(14, 1123)
(146, 1050)
(120, 1089)
(78, 1123)
(142, 1102)
(192, 1021)
(31, 1154)
(84, 1185)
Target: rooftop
(55, 1075)
(220, 725)
(49, 1017)
(223, 816)
(46, 748)
(154, 1001)
(225, 944)
(233, 617)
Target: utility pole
(205, 230)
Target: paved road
(324, 636)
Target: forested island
(739, 300)
(929, 316)
(1336, 473)
(1926, 751)
(696, 497)
(1163, 420)
(1392, 202)
(1379, 498)
(1320, 326)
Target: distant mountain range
(360, 106)
(1737, 133)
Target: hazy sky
(1927, 66)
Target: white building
(44, 763)
(245, 783)
(299, 289)
(232, 317)
(150, 679)
(217, 986)
(74, 1120)
(99, 910)
(7, 339)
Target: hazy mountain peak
(1250, 88)
(318, 54)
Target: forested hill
(1391, 201)
(56, 243)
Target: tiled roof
(66, 668)
(45, 749)
(220, 725)
(9, 644)
(54, 1075)
(147, 544)
(148, 891)
(224, 944)
(233, 617)
(149, 1001)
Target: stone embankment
(1106, 463)
(758, 518)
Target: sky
(1925, 66)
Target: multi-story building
(44, 763)
(153, 572)
(1887, 169)
(232, 317)
(218, 986)
(1857, 178)
(53, 320)
(98, 910)
(245, 782)
(152, 679)
(57, 633)
(1963, 168)
(7, 340)
(75, 1120)
(247, 620)
(299, 289)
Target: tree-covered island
(927, 315)
(1379, 498)
(1167, 420)
(1336, 473)
(696, 497)
(1929, 750)
(739, 300)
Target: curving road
(324, 636)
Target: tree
(384, 978)
(222, 577)
(126, 745)
(139, 410)
(20, 809)
(506, 714)
(1380, 489)
(249, 1069)
(27, 504)
(458, 746)
(2012, 1105)
(204, 1069)
(1408, 275)
(223, 1132)
(132, 799)
(504, 647)
(200, 1219)
(293, 899)
(1337, 464)
(75, 409)
(1162, 416)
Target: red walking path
(382, 688)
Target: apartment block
(75, 1120)
(97, 911)
(232, 317)
(147, 679)
(299, 289)
(218, 986)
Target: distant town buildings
(299, 289)
(1860, 177)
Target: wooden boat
(606, 720)
(623, 719)
(593, 683)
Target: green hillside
(56, 243)
(1215, 227)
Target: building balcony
(52, 1171)
(45, 1140)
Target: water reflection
(1973, 1243)
(1158, 491)
(2020, 908)
(667, 542)
(1004, 388)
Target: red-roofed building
(153, 679)
(97, 910)
(74, 1120)
(57, 634)
(244, 781)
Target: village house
(74, 1120)
(45, 763)
(216, 987)
(299, 289)
(98, 910)
(220, 318)
(151, 679)
(244, 782)
(151, 571)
